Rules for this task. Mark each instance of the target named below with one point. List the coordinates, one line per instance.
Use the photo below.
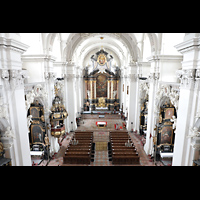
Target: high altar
(101, 84)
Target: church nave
(101, 153)
(100, 99)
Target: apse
(101, 84)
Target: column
(111, 89)
(80, 90)
(154, 76)
(121, 90)
(125, 94)
(19, 120)
(184, 116)
(65, 96)
(86, 88)
(13, 95)
(91, 89)
(71, 94)
(117, 89)
(77, 87)
(188, 99)
(49, 76)
(95, 96)
(108, 90)
(137, 111)
(132, 71)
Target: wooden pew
(125, 154)
(78, 150)
(130, 159)
(118, 143)
(118, 132)
(83, 141)
(84, 133)
(120, 136)
(119, 140)
(76, 153)
(80, 153)
(119, 152)
(124, 150)
(76, 159)
(82, 137)
(80, 146)
(122, 147)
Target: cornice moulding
(187, 45)
(37, 57)
(13, 43)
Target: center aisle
(101, 140)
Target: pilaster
(132, 71)
(71, 93)
(49, 77)
(184, 116)
(153, 83)
(12, 80)
(188, 100)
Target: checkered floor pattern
(101, 156)
(101, 159)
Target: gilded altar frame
(166, 134)
(35, 135)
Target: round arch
(106, 46)
(124, 39)
(50, 43)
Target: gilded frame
(35, 135)
(33, 113)
(100, 57)
(166, 134)
(169, 112)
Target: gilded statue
(46, 140)
(102, 102)
(1, 148)
(56, 90)
(160, 118)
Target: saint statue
(1, 147)
(46, 140)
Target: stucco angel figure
(29, 120)
(9, 133)
(173, 120)
(30, 98)
(114, 93)
(195, 132)
(88, 93)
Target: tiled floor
(90, 124)
(101, 135)
(101, 159)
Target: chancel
(101, 83)
(99, 99)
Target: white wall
(146, 48)
(35, 71)
(56, 51)
(168, 67)
(34, 41)
(57, 67)
(169, 40)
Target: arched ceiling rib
(123, 43)
(118, 57)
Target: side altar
(101, 84)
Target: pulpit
(57, 116)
